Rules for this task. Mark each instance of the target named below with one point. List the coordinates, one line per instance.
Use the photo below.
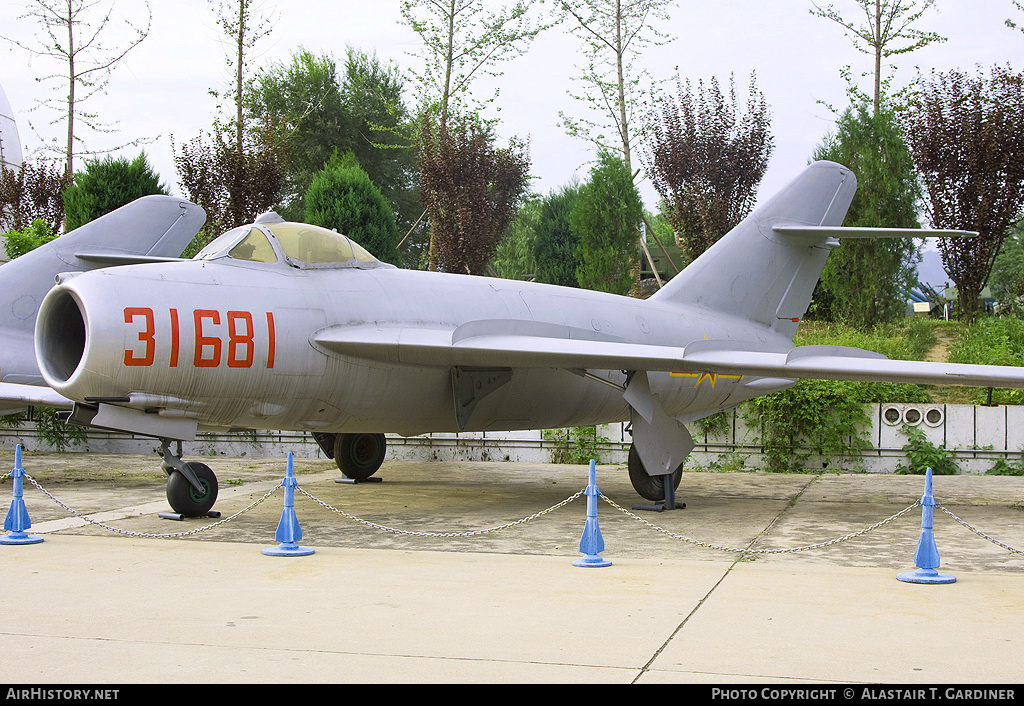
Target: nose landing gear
(191, 487)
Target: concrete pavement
(89, 606)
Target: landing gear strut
(191, 487)
(653, 487)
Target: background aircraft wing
(15, 397)
(551, 346)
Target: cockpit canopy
(300, 245)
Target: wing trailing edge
(845, 233)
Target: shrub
(20, 242)
(105, 186)
(923, 455)
(341, 196)
(576, 445)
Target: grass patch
(907, 339)
(991, 341)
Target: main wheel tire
(359, 455)
(185, 499)
(648, 486)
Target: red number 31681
(231, 338)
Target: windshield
(254, 248)
(219, 243)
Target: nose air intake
(60, 337)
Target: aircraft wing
(534, 345)
(15, 397)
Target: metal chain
(736, 550)
(129, 533)
(979, 532)
(469, 533)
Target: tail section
(761, 270)
(149, 228)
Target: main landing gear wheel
(188, 500)
(648, 486)
(359, 455)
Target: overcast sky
(161, 88)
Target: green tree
(514, 258)
(244, 25)
(342, 197)
(463, 41)
(381, 130)
(106, 185)
(1007, 278)
(556, 247)
(1012, 24)
(613, 34)
(75, 37)
(302, 99)
(320, 113)
(964, 133)
(886, 31)
(706, 155)
(866, 281)
(606, 220)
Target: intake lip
(61, 337)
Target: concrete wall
(978, 435)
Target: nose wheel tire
(359, 455)
(188, 500)
(648, 486)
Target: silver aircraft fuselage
(278, 325)
(233, 344)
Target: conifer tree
(342, 197)
(866, 281)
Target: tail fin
(761, 274)
(151, 227)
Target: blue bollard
(926, 558)
(17, 517)
(288, 530)
(591, 543)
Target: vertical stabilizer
(757, 274)
(152, 226)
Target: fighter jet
(149, 229)
(278, 325)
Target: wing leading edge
(561, 347)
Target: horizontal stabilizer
(444, 347)
(122, 258)
(861, 233)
